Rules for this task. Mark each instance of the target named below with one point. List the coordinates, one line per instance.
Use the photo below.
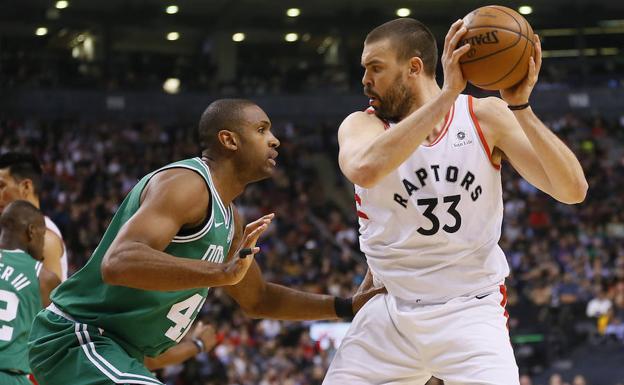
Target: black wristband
(518, 106)
(343, 307)
(244, 252)
(200, 345)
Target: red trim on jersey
(486, 148)
(503, 291)
(32, 379)
(448, 118)
(358, 202)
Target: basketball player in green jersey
(175, 235)
(25, 286)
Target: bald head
(22, 226)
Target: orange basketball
(501, 44)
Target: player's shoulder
(52, 229)
(492, 114)
(177, 192)
(362, 119)
(488, 106)
(178, 185)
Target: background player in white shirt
(425, 162)
(20, 178)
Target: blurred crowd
(41, 68)
(566, 288)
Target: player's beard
(396, 103)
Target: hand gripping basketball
(454, 80)
(520, 93)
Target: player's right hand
(237, 268)
(454, 80)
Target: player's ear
(416, 66)
(26, 188)
(30, 232)
(228, 139)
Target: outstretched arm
(261, 299)
(136, 258)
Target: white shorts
(463, 341)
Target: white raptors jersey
(430, 229)
(50, 225)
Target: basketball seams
(512, 68)
(517, 32)
(523, 30)
(501, 28)
(515, 43)
(519, 58)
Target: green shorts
(64, 352)
(14, 379)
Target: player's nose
(273, 141)
(366, 80)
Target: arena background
(105, 91)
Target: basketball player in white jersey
(425, 162)
(20, 178)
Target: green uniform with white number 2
(109, 329)
(19, 303)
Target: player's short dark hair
(19, 214)
(222, 114)
(22, 166)
(410, 38)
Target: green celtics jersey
(20, 302)
(148, 322)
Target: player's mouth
(373, 99)
(272, 155)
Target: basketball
(501, 44)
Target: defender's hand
(454, 80)
(238, 266)
(206, 333)
(519, 94)
(361, 297)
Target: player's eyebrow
(372, 62)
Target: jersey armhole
(477, 127)
(195, 232)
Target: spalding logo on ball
(501, 44)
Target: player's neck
(427, 91)
(224, 177)
(8, 242)
(32, 199)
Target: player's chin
(269, 170)
(264, 172)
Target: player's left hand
(207, 334)
(519, 93)
(363, 295)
